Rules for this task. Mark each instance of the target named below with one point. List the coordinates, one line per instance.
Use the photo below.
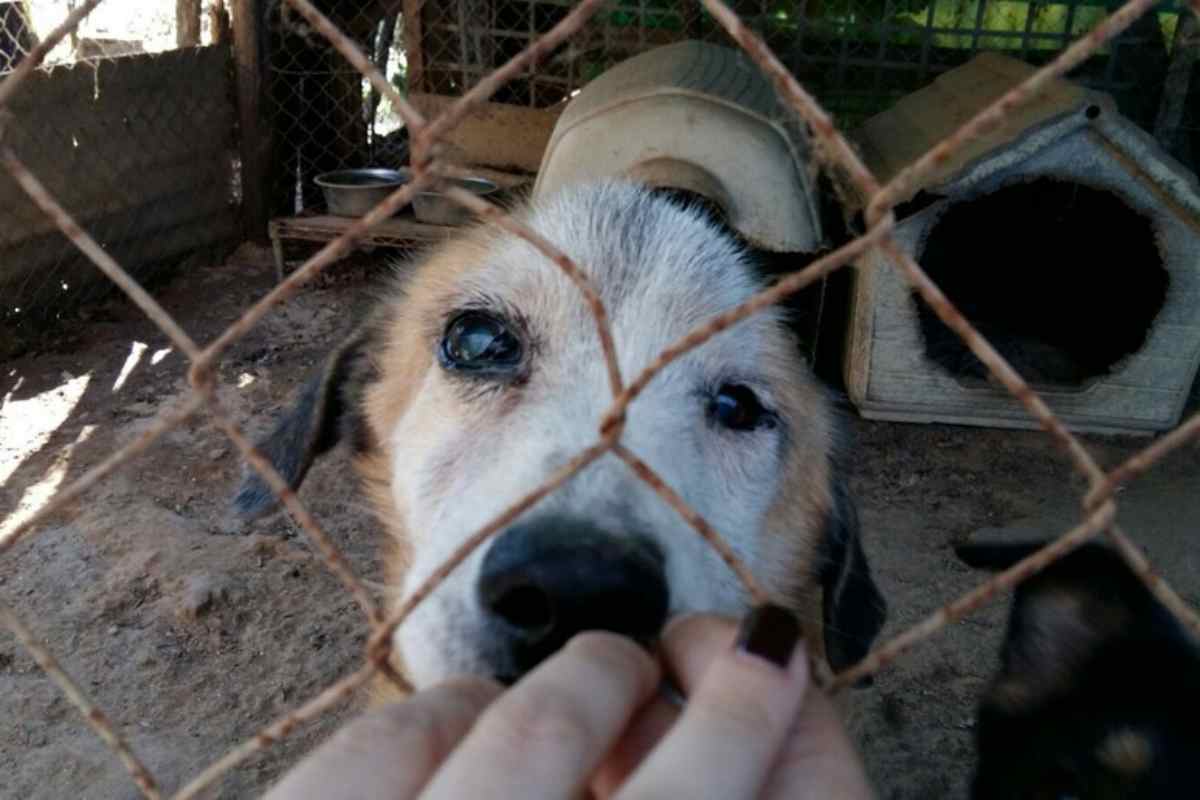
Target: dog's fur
(442, 454)
(1098, 691)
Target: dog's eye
(478, 341)
(737, 407)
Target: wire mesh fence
(323, 113)
(135, 132)
(1098, 506)
(856, 56)
(16, 35)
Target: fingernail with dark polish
(770, 632)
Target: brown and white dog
(481, 373)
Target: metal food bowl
(354, 192)
(436, 208)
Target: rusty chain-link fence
(1098, 506)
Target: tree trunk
(187, 23)
(219, 23)
(254, 136)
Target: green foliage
(1005, 16)
(653, 14)
(904, 22)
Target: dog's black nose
(543, 582)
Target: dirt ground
(192, 638)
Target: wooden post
(255, 135)
(219, 24)
(415, 78)
(414, 45)
(187, 23)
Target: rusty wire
(91, 248)
(1099, 506)
(1142, 567)
(332, 696)
(990, 118)
(530, 56)
(1140, 462)
(707, 532)
(880, 202)
(309, 270)
(333, 558)
(160, 426)
(380, 638)
(722, 322)
(91, 712)
(490, 211)
(25, 68)
(955, 610)
(360, 62)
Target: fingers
(741, 706)
(818, 760)
(689, 645)
(545, 735)
(392, 751)
(645, 731)
(752, 727)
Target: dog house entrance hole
(1063, 279)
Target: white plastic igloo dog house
(1068, 237)
(697, 117)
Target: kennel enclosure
(1067, 235)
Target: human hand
(589, 720)
(749, 729)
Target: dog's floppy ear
(854, 608)
(323, 412)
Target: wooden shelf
(400, 231)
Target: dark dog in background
(1098, 691)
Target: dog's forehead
(661, 269)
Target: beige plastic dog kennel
(697, 117)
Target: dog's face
(1098, 688)
(485, 374)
